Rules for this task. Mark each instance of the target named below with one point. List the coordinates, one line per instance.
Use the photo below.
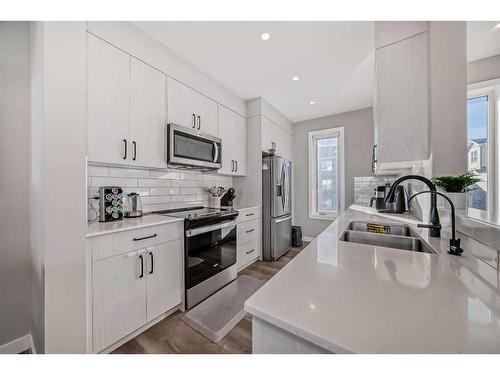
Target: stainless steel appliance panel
(192, 149)
(280, 183)
(281, 239)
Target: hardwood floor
(173, 336)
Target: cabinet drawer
(247, 214)
(248, 230)
(122, 242)
(247, 252)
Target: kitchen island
(342, 297)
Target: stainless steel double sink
(391, 235)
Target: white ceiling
(483, 39)
(334, 60)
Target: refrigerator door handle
(283, 220)
(283, 183)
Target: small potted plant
(456, 187)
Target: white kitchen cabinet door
(206, 115)
(181, 104)
(107, 102)
(272, 132)
(164, 277)
(118, 297)
(232, 131)
(400, 103)
(147, 115)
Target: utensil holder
(214, 202)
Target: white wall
(15, 273)
(58, 213)
(484, 69)
(358, 136)
(448, 96)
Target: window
(326, 173)
(477, 138)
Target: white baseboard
(307, 238)
(18, 345)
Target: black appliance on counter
(400, 204)
(210, 250)
(110, 203)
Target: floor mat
(219, 313)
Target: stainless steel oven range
(210, 250)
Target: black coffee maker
(400, 204)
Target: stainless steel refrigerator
(276, 206)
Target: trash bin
(296, 236)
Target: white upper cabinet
(400, 102)
(273, 133)
(232, 131)
(125, 108)
(147, 115)
(189, 108)
(108, 89)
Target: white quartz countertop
(98, 229)
(356, 298)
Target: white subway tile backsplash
(113, 181)
(96, 171)
(154, 183)
(165, 175)
(127, 172)
(164, 191)
(156, 199)
(183, 183)
(159, 190)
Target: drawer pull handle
(145, 238)
(253, 213)
(249, 252)
(250, 230)
(152, 263)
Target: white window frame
(313, 136)
(491, 90)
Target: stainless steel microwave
(192, 149)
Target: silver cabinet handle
(194, 120)
(249, 252)
(236, 161)
(250, 230)
(251, 214)
(199, 122)
(232, 165)
(125, 149)
(135, 150)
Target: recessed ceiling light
(312, 102)
(295, 78)
(265, 36)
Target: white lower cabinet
(132, 288)
(119, 298)
(249, 238)
(164, 278)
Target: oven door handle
(209, 228)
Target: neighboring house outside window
(326, 171)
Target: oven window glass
(209, 253)
(192, 147)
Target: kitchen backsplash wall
(159, 190)
(364, 187)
